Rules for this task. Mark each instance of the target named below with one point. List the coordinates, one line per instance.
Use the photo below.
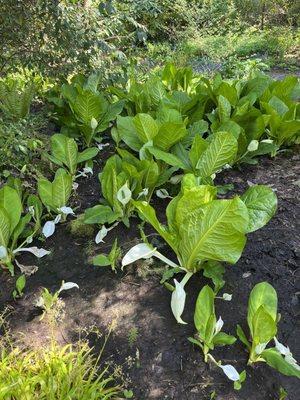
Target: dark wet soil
(156, 358)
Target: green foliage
(64, 152)
(103, 260)
(56, 194)
(208, 328)
(125, 177)
(55, 372)
(262, 321)
(21, 142)
(17, 224)
(82, 110)
(15, 101)
(202, 228)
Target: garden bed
(152, 348)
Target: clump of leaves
(262, 320)
(64, 152)
(82, 110)
(18, 224)
(203, 230)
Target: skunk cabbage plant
(202, 229)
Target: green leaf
(5, 227)
(224, 108)
(214, 231)
(146, 127)
(168, 158)
(261, 202)
(100, 214)
(275, 360)
(241, 335)
(199, 145)
(215, 271)
(263, 294)
(65, 150)
(128, 133)
(101, 260)
(169, 133)
(11, 202)
(88, 105)
(222, 339)
(204, 309)
(222, 150)
(148, 213)
(61, 188)
(87, 154)
(263, 325)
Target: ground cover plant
(146, 157)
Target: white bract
(219, 325)
(94, 123)
(33, 250)
(253, 145)
(227, 297)
(163, 194)
(141, 250)
(66, 210)
(103, 232)
(230, 372)
(178, 298)
(124, 194)
(260, 348)
(285, 351)
(49, 227)
(102, 145)
(144, 192)
(68, 286)
(3, 252)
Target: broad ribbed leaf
(61, 188)
(261, 202)
(11, 202)
(88, 105)
(204, 310)
(221, 151)
(146, 127)
(169, 133)
(127, 131)
(263, 294)
(5, 227)
(45, 192)
(65, 150)
(263, 325)
(214, 231)
(168, 158)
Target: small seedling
(20, 285)
(104, 260)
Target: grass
(67, 373)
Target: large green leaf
(65, 150)
(127, 131)
(263, 325)
(204, 309)
(168, 158)
(88, 105)
(224, 108)
(214, 231)
(263, 294)
(87, 154)
(275, 360)
(61, 188)
(45, 192)
(222, 150)
(169, 133)
(146, 127)
(261, 202)
(99, 214)
(5, 227)
(11, 202)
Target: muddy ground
(157, 360)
